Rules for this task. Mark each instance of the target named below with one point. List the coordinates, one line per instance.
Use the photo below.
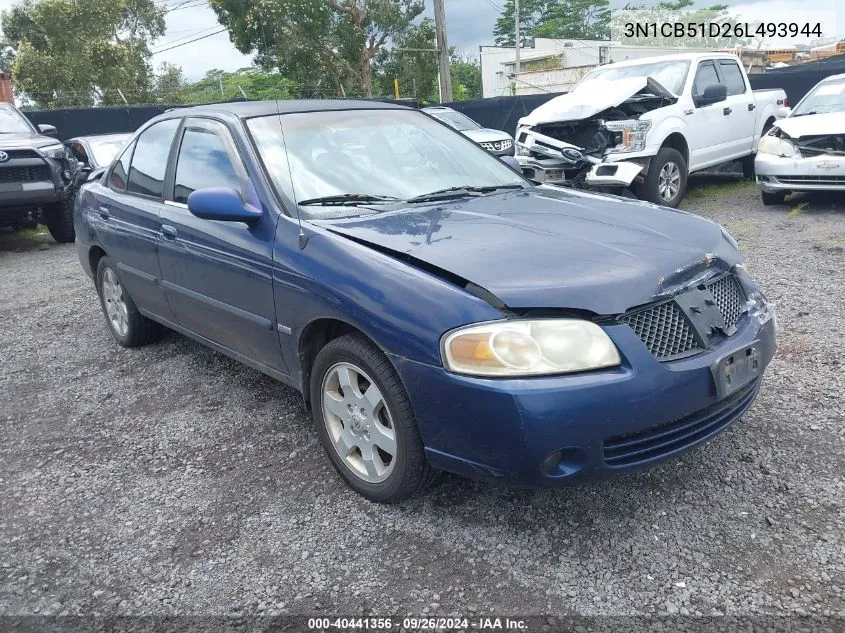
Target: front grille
(22, 153)
(24, 174)
(728, 297)
(496, 146)
(660, 441)
(811, 180)
(664, 329)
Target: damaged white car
(806, 150)
(647, 124)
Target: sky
(469, 25)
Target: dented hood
(590, 98)
(548, 247)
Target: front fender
(403, 309)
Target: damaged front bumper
(550, 161)
(825, 172)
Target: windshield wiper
(349, 199)
(459, 192)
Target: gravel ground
(171, 480)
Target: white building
(553, 65)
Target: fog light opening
(563, 463)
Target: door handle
(169, 232)
(727, 111)
(104, 213)
(751, 106)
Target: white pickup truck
(647, 124)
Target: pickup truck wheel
(365, 421)
(128, 327)
(666, 181)
(59, 217)
(776, 197)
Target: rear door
(741, 120)
(218, 275)
(126, 215)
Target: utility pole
(517, 67)
(443, 65)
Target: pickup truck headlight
(528, 348)
(633, 134)
(778, 146)
(57, 151)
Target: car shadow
(22, 240)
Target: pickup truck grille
(496, 146)
(668, 333)
(24, 174)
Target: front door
(218, 275)
(706, 125)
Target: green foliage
(466, 78)
(415, 70)
(575, 19)
(680, 11)
(328, 48)
(168, 84)
(254, 83)
(67, 54)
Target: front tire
(127, 325)
(666, 180)
(59, 218)
(776, 197)
(365, 421)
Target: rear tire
(127, 325)
(770, 199)
(365, 421)
(59, 218)
(666, 180)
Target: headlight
(528, 348)
(778, 146)
(633, 134)
(57, 151)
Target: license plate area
(735, 370)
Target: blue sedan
(436, 310)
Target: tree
(253, 83)
(416, 70)
(679, 11)
(572, 19)
(530, 14)
(169, 83)
(326, 46)
(67, 54)
(466, 78)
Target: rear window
(732, 77)
(149, 161)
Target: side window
(117, 178)
(205, 160)
(732, 77)
(149, 162)
(704, 76)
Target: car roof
(248, 109)
(833, 78)
(438, 109)
(672, 58)
(100, 137)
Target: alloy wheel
(358, 422)
(116, 310)
(669, 181)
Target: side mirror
(89, 174)
(222, 203)
(511, 162)
(48, 130)
(782, 112)
(714, 93)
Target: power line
(196, 39)
(185, 37)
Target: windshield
(828, 96)
(388, 153)
(13, 122)
(670, 74)
(459, 121)
(106, 149)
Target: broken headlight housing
(770, 144)
(632, 133)
(56, 152)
